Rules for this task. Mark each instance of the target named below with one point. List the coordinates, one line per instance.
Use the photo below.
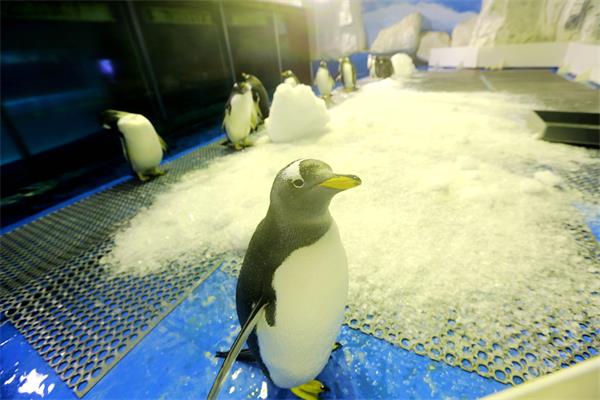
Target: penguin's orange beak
(341, 182)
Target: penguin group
(293, 285)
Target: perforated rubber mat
(78, 316)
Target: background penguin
(324, 81)
(290, 78)
(347, 74)
(383, 67)
(142, 147)
(293, 285)
(259, 93)
(371, 65)
(240, 115)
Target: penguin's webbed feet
(310, 390)
(142, 177)
(157, 171)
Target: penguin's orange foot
(142, 177)
(310, 390)
(158, 171)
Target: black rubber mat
(80, 317)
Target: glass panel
(187, 52)
(63, 63)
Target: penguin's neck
(311, 219)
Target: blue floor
(175, 362)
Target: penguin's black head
(286, 74)
(304, 188)
(240, 88)
(245, 76)
(323, 64)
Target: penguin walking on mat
(293, 284)
(324, 81)
(142, 147)
(241, 115)
(347, 74)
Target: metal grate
(80, 317)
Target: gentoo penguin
(142, 147)
(324, 81)
(259, 93)
(240, 115)
(347, 74)
(371, 65)
(293, 284)
(383, 67)
(290, 78)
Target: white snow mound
(403, 66)
(296, 113)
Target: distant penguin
(293, 284)
(290, 78)
(142, 147)
(240, 115)
(324, 81)
(383, 67)
(371, 65)
(347, 74)
(259, 93)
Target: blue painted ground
(175, 362)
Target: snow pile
(432, 40)
(462, 32)
(446, 216)
(403, 66)
(401, 36)
(296, 113)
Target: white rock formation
(462, 32)
(436, 17)
(403, 36)
(579, 22)
(527, 21)
(432, 40)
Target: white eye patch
(292, 172)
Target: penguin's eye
(298, 183)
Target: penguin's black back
(272, 242)
(257, 87)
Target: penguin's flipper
(163, 144)
(257, 313)
(245, 355)
(310, 390)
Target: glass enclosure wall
(173, 61)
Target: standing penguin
(324, 81)
(259, 93)
(142, 147)
(293, 285)
(240, 115)
(383, 67)
(290, 78)
(347, 74)
(371, 59)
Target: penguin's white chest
(141, 142)
(239, 120)
(311, 288)
(324, 82)
(347, 76)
